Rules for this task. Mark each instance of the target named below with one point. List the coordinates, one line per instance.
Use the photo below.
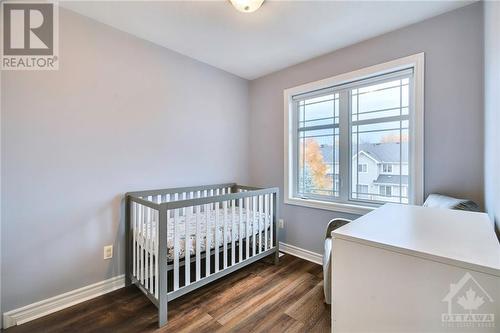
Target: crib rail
(183, 238)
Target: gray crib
(180, 239)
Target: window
(362, 167)
(338, 127)
(362, 188)
(385, 191)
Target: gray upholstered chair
(443, 201)
(327, 278)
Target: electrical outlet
(108, 252)
(281, 223)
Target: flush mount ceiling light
(247, 6)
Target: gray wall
(121, 114)
(454, 122)
(492, 109)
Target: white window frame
(416, 130)
(388, 165)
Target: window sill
(332, 206)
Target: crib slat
(151, 244)
(146, 252)
(254, 222)
(271, 224)
(150, 249)
(139, 241)
(161, 198)
(240, 230)
(233, 231)
(176, 246)
(259, 212)
(157, 237)
(143, 216)
(137, 244)
(198, 241)
(146, 245)
(134, 230)
(187, 247)
(207, 240)
(204, 194)
(247, 229)
(266, 219)
(224, 234)
(217, 207)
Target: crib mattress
(148, 234)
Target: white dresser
(413, 269)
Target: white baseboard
(302, 253)
(59, 302)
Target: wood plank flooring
(262, 297)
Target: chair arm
(334, 224)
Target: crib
(180, 239)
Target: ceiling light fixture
(247, 6)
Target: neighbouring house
(378, 173)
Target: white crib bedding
(145, 233)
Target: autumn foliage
(316, 164)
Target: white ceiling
(279, 34)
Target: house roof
(391, 179)
(385, 152)
(382, 152)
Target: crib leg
(276, 215)
(162, 314)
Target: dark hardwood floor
(262, 297)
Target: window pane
(318, 166)
(379, 140)
(319, 111)
(387, 99)
(318, 152)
